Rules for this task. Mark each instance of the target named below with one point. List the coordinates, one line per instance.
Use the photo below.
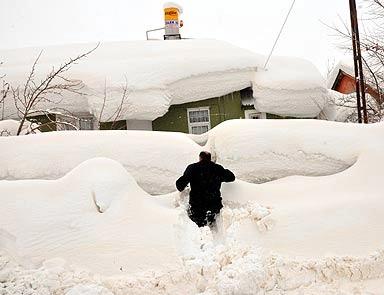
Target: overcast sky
(251, 24)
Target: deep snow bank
(96, 231)
(312, 235)
(256, 150)
(91, 217)
(263, 150)
(10, 128)
(314, 217)
(142, 153)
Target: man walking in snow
(205, 178)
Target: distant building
(342, 79)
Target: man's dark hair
(205, 156)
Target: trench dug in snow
(294, 234)
(257, 151)
(150, 244)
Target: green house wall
(176, 119)
(117, 125)
(220, 108)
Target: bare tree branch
(52, 85)
(104, 102)
(4, 93)
(116, 114)
(372, 47)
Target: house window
(253, 114)
(198, 120)
(67, 120)
(81, 123)
(86, 124)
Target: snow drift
(95, 230)
(257, 151)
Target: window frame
(254, 114)
(78, 121)
(198, 124)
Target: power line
(278, 36)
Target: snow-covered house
(342, 78)
(179, 85)
(342, 85)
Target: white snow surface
(91, 229)
(253, 158)
(158, 74)
(10, 128)
(290, 87)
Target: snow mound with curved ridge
(96, 230)
(256, 150)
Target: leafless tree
(3, 93)
(375, 110)
(372, 49)
(119, 109)
(330, 66)
(46, 90)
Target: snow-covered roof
(159, 74)
(345, 65)
(290, 87)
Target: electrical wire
(278, 36)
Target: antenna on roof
(278, 36)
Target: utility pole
(358, 65)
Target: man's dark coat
(205, 178)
